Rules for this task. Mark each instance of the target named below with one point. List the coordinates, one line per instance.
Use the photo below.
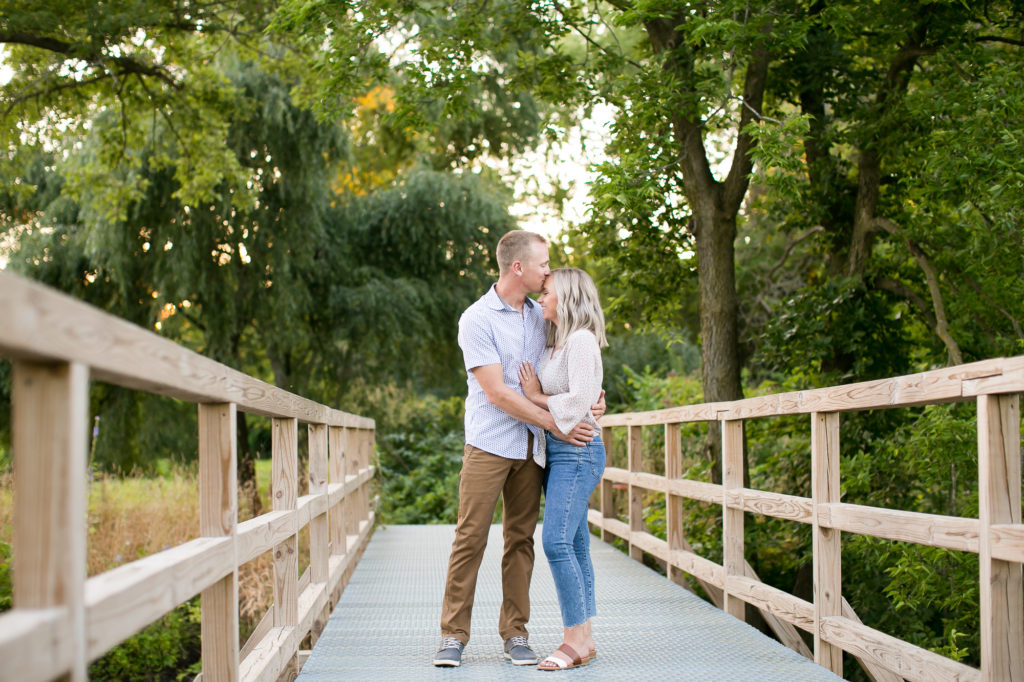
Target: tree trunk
(714, 207)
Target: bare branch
(999, 39)
(791, 245)
(941, 325)
(593, 42)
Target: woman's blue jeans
(570, 477)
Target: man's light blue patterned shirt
(492, 332)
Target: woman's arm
(584, 373)
(531, 385)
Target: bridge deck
(386, 625)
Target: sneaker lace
(517, 641)
(451, 643)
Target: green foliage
(836, 332)
(6, 586)
(166, 651)
(420, 456)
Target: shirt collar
(495, 302)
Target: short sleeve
(477, 341)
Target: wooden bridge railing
(61, 620)
(997, 536)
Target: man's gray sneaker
(519, 652)
(450, 653)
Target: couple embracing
(534, 373)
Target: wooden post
(674, 503)
(336, 474)
(636, 500)
(285, 491)
(50, 416)
(607, 489)
(999, 481)
(218, 517)
(364, 463)
(828, 597)
(732, 518)
(352, 469)
(319, 537)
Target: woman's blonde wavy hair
(579, 307)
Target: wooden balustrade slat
(675, 537)
(218, 517)
(828, 600)
(999, 500)
(284, 497)
(336, 478)
(940, 385)
(634, 458)
(906, 660)
(951, 532)
(42, 324)
(607, 487)
(781, 604)
(49, 421)
(732, 519)
(33, 643)
(1007, 541)
(122, 601)
(776, 505)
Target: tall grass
(134, 516)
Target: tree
(305, 281)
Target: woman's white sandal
(553, 663)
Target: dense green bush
(420, 454)
(160, 653)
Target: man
(504, 435)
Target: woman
(567, 382)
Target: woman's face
(549, 301)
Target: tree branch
(738, 179)
(999, 39)
(591, 41)
(941, 325)
(791, 245)
(115, 65)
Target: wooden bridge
(61, 619)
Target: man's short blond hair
(515, 246)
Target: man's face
(535, 268)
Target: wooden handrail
(61, 620)
(997, 536)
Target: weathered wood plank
(935, 386)
(906, 660)
(674, 534)
(42, 324)
(218, 517)
(999, 500)
(122, 601)
(767, 598)
(49, 422)
(732, 519)
(33, 643)
(951, 532)
(634, 456)
(284, 496)
(828, 597)
(777, 505)
(1008, 541)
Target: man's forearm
(520, 407)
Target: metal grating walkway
(385, 626)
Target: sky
(569, 163)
